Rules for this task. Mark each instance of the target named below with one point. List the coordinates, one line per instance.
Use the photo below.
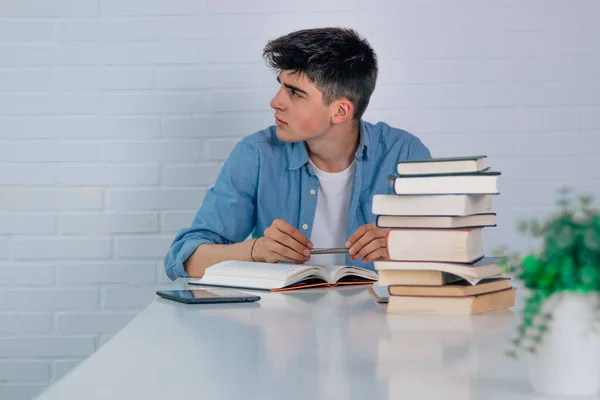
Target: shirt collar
(299, 154)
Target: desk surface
(310, 344)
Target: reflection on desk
(308, 344)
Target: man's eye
(294, 93)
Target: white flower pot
(567, 362)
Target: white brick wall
(3, 247)
(116, 116)
(17, 274)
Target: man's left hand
(368, 243)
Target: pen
(335, 250)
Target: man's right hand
(282, 242)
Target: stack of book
(436, 218)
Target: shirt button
(312, 192)
(304, 226)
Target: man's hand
(282, 242)
(368, 243)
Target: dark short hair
(337, 60)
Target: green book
(446, 165)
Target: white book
(432, 205)
(436, 221)
(475, 183)
(462, 245)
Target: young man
(307, 181)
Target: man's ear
(343, 111)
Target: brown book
(452, 305)
(450, 245)
(390, 277)
(455, 289)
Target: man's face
(300, 113)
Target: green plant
(569, 261)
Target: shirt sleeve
(417, 150)
(227, 214)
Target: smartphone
(207, 296)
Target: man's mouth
(280, 121)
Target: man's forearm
(210, 254)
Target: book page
(336, 272)
(256, 269)
(472, 281)
(259, 275)
(243, 282)
(332, 270)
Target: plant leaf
(567, 274)
(589, 275)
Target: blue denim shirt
(265, 179)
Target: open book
(279, 277)
(437, 273)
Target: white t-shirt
(330, 228)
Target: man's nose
(276, 101)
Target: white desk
(311, 344)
